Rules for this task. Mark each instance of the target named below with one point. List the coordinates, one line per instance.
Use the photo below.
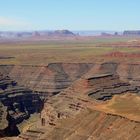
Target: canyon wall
(73, 90)
(50, 79)
(17, 103)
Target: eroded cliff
(16, 104)
(74, 93)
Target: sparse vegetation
(61, 51)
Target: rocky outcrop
(16, 104)
(105, 86)
(126, 72)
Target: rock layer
(71, 114)
(50, 79)
(107, 85)
(20, 103)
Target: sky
(69, 14)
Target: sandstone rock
(16, 105)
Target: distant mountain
(133, 32)
(96, 32)
(63, 33)
(57, 33)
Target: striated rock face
(94, 125)
(71, 114)
(48, 80)
(16, 104)
(126, 72)
(108, 78)
(107, 85)
(88, 124)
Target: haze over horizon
(73, 15)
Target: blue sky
(69, 14)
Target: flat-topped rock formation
(28, 35)
(133, 32)
(63, 33)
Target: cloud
(10, 23)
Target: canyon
(69, 70)
(17, 104)
(76, 87)
(65, 101)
